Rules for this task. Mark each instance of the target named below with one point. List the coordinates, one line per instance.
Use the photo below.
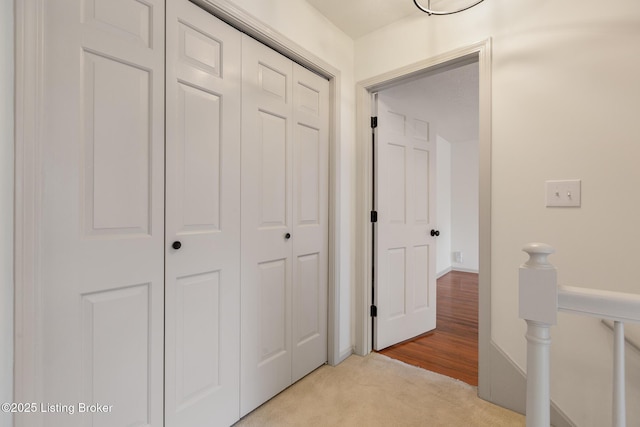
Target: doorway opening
(436, 115)
(452, 348)
(458, 257)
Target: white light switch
(563, 193)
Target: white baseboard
(508, 387)
(465, 270)
(346, 353)
(460, 269)
(443, 272)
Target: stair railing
(540, 300)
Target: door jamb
(482, 51)
(28, 328)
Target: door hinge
(374, 216)
(374, 311)
(374, 122)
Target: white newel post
(538, 306)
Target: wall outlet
(457, 257)
(566, 193)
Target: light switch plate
(565, 193)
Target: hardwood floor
(452, 348)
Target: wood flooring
(452, 348)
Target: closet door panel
(202, 188)
(272, 158)
(99, 312)
(310, 221)
(266, 220)
(199, 158)
(284, 223)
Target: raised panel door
(202, 306)
(267, 215)
(310, 221)
(100, 259)
(285, 151)
(405, 283)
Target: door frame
(480, 52)
(29, 82)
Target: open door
(405, 232)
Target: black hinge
(374, 216)
(374, 311)
(374, 122)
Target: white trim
(443, 272)
(482, 52)
(465, 270)
(345, 354)
(602, 304)
(242, 20)
(450, 269)
(460, 269)
(7, 206)
(248, 24)
(28, 111)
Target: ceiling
(455, 91)
(359, 17)
(450, 99)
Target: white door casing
(284, 223)
(102, 235)
(202, 203)
(404, 278)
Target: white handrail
(617, 306)
(540, 300)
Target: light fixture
(430, 11)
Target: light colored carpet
(378, 391)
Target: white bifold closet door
(246, 163)
(202, 222)
(99, 308)
(284, 223)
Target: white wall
(300, 22)
(464, 204)
(565, 104)
(443, 200)
(6, 206)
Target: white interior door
(101, 246)
(202, 222)
(310, 220)
(284, 223)
(404, 278)
(266, 222)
